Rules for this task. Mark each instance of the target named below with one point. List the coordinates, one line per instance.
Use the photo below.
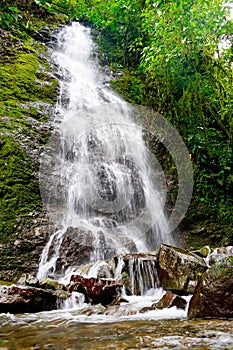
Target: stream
(67, 330)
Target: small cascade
(75, 301)
(138, 273)
(143, 275)
(97, 179)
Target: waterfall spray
(99, 182)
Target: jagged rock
(79, 287)
(213, 296)
(97, 290)
(179, 270)
(17, 299)
(44, 35)
(76, 247)
(169, 300)
(29, 280)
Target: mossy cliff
(28, 91)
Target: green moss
(130, 86)
(4, 283)
(19, 193)
(18, 82)
(23, 83)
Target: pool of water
(75, 329)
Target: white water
(97, 179)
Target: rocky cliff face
(28, 90)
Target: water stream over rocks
(106, 196)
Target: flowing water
(99, 181)
(67, 331)
(98, 184)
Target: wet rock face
(76, 248)
(96, 290)
(179, 270)
(25, 246)
(28, 93)
(17, 299)
(213, 296)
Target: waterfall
(98, 180)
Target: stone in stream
(213, 296)
(96, 290)
(19, 299)
(169, 300)
(179, 270)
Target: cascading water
(97, 176)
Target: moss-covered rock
(28, 91)
(213, 296)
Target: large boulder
(213, 296)
(179, 270)
(20, 299)
(96, 290)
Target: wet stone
(213, 296)
(97, 290)
(179, 270)
(17, 299)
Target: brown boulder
(17, 299)
(213, 296)
(96, 290)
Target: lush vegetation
(172, 60)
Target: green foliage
(191, 84)
(25, 16)
(120, 22)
